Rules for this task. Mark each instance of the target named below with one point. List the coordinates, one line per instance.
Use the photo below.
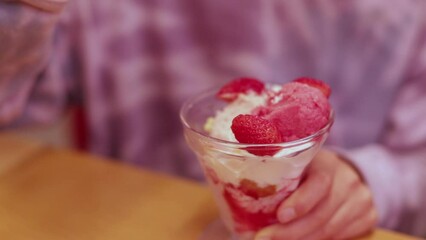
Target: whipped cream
(220, 126)
(266, 170)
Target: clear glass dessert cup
(247, 188)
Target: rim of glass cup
(188, 104)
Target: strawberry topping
(230, 91)
(320, 85)
(256, 130)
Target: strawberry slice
(256, 130)
(230, 91)
(322, 86)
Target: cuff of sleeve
(380, 173)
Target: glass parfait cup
(247, 188)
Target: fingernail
(286, 215)
(265, 234)
(263, 238)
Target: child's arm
(26, 34)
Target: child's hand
(332, 203)
(45, 5)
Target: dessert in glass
(254, 142)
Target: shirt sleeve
(29, 31)
(395, 167)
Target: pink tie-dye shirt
(131, 64)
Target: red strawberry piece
(230, 91)
(252, 129)
(322, 86)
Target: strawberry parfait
(254, 142)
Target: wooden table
(58, 194)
